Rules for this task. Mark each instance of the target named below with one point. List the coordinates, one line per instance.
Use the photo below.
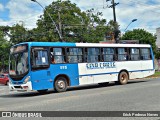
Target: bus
(40, 66)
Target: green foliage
(157, 55)
(4, 51)
(1, 35)
(72, 23)
(18, 34)
(143, 36)
(4, 47)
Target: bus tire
(123, 78)
(60, 84)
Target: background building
(158, 37)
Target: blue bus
(40, 66)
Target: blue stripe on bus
(114, 72)
(141, 70)
(152, 57)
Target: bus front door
(41, 76)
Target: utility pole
(114, 12)
(116, 31)
(54, 24)
(60, 24)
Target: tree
(18, 34)
(113, 28)
(4, 50)
(73, 24)
(143, 36)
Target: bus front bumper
(21, 87)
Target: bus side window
(134, 53)
(108, 54)
(41, 57)
(74, 55)
(122, 54)
(93, 54)
(145, 54)
(58, 55)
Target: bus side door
(41, 76)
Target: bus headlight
(27, 79)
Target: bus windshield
(18, 63)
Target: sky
(26, 12)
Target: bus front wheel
(123, 78)
(60, 84)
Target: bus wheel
(42, 91)
(60, 84)
(123, 78)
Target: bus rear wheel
(123, 78)
(60, 84)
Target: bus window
(134, 53)
(41, 57)
(122, 54)
(74, 55)
(93, 54)
(57, 55)
(108, 54)
(145, 54)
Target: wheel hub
(123, 77)
(61, 84)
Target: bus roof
(111, 45)
(68, 44)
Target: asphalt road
(137, 95)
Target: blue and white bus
(57, 65)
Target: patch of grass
(157, 74)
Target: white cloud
(126, 11)
(26, 11)
(1, 7)
(148, 15)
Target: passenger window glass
(41, 57)
(108, 54)
(74, 55)
(122, 54)
(57, 55)
(145, 54)
(134, 53)
(93, 55)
